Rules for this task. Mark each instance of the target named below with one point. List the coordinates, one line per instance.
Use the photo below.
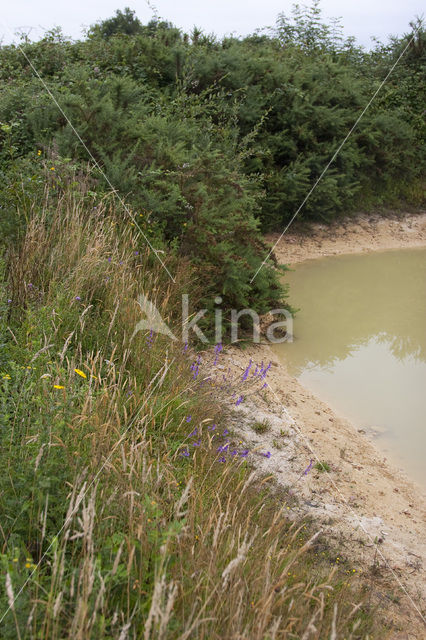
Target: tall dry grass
(107, 530)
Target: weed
(262, 426)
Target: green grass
(322, 466)
(106, 528)
(262, 426)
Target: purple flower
(308, 468)
(217, 350)
(266, 370)
(233, 452)
(246, 372)
(212, 428)
(222, 459)
(239, 401)
(194, 433)
(196, 443)
(225, 433)
(222, 448)
(244, 453)
(265, 385)
(109, 259)
(30, 286)
(9, 301)
(267, 454)
(136, 253)
(185, 348)
(185, 453)
(150, 338)
(188, 418)
(77, 298)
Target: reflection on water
(360, 344)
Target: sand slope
(370, 510)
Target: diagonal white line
(336, 153)
(117, 195)
(313, 452)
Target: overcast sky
(361, 18)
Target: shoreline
(365, 504)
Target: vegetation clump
(262, 426)
(126, 511)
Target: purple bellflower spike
(308, 468)
(244, 453)
(239, 401)
(185, 454)
(266, 370)
(194, 433)
(188, 418)
(246, 372)
(267, 454)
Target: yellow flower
(52, 168)
(80, 373)
(58, 386)
(15, 559)
(6, 376)
(27, 565)
(39, 152)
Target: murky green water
(360, 345)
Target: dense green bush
(208, 141)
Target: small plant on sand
(262, 426)
(322, 466)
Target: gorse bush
(116, 521)
(214, 139)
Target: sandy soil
(353, 235)
(370, 510)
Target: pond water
(360, 345)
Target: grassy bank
(109, 529)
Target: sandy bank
(373, 513)
(364, 233)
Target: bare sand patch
(370, 510)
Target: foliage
(212, 140)
(108, 530)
